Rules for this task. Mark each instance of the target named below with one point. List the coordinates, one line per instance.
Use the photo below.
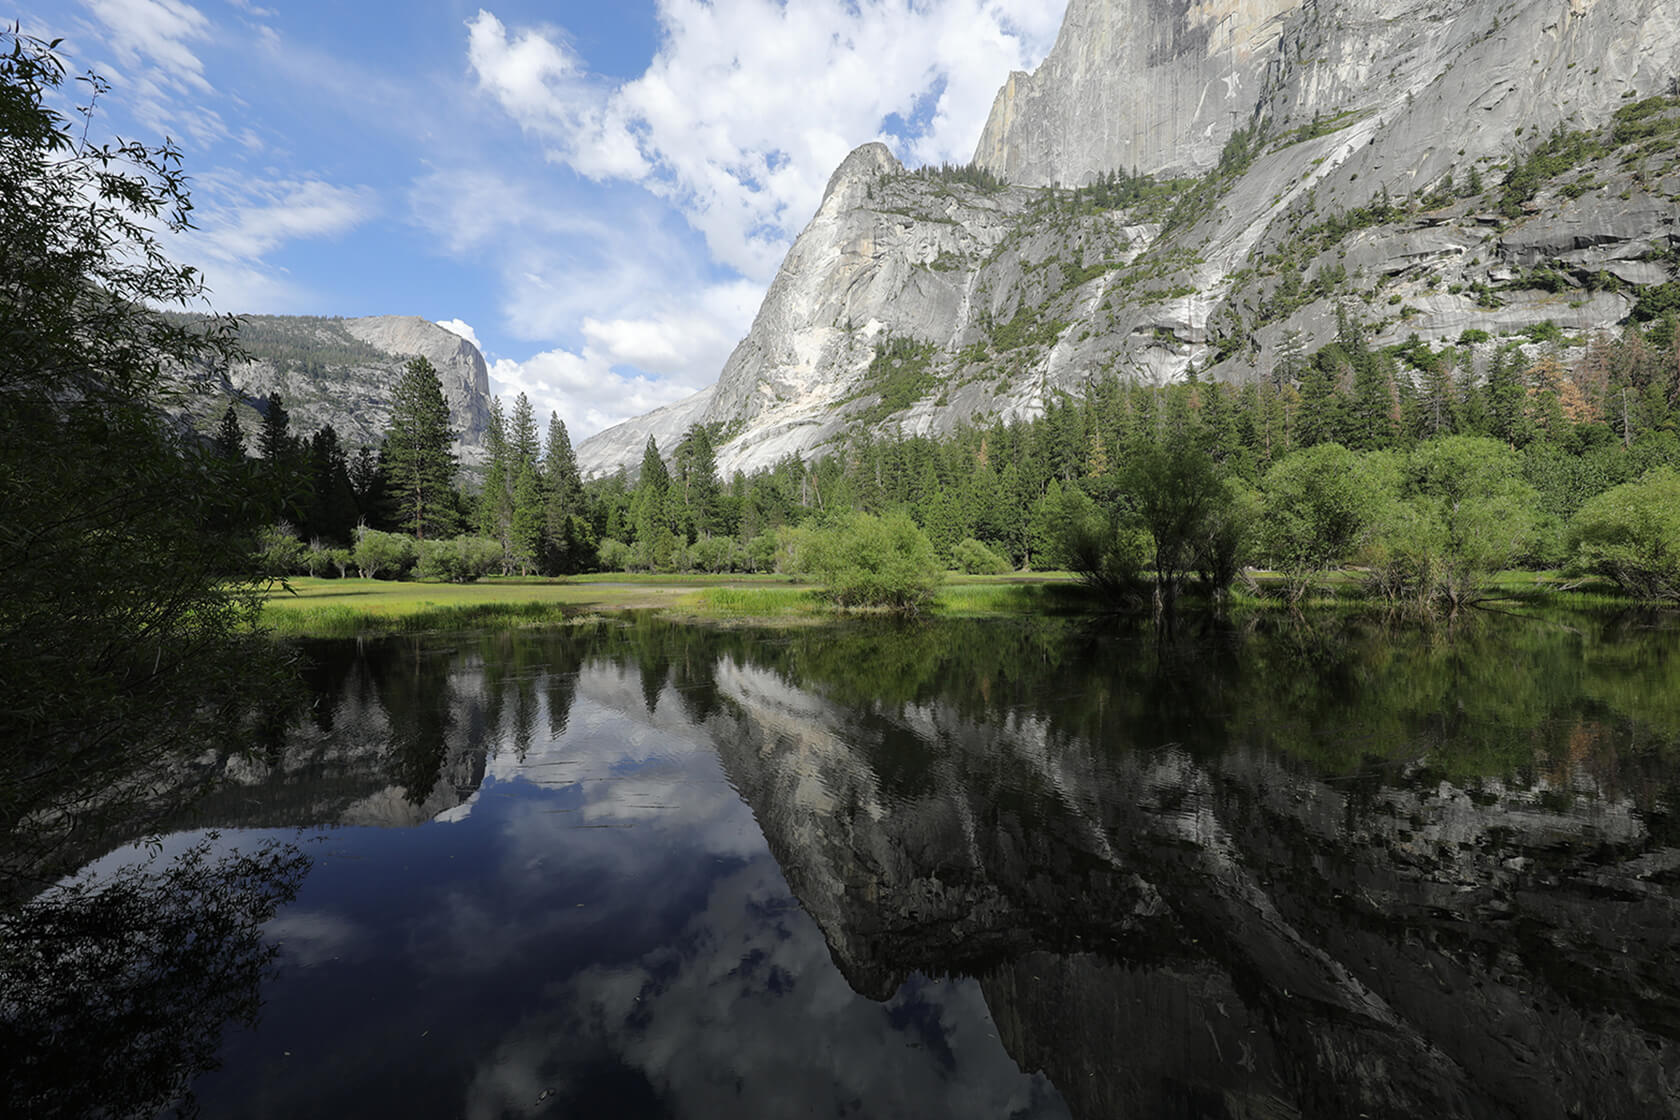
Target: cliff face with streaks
(1292, 158)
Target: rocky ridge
(343, 372)
(1325, 155)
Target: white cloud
(584, 388)
(644, 323)
(156, 34)
(241, 222)
(155, 62)
(711, 126)
(455, 326)
(273, 213)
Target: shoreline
(342, 608)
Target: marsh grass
(756, 602)
(348, 622)
(977, 599)
(351, 607)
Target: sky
(596, 193)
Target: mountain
(1221, 185)
(342, 372)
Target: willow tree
(418, 459)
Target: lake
(1328, 867)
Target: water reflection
(115, 988)
(1034, 868)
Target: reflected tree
(114, 991)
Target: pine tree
(1321, 418)
(696, 475)
(230, 436)
(568, 538)
(331, 511)
(282, 470)
(495, 499)
(419, 462)
(522, 434)
(367, 482)
(274, 442)
(560, 468)
(650, 510)
(527, 525)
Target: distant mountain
(1248, 175)
(342, 372)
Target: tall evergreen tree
(367, 482)
(567, 532)
(418, 459)
(230, 436)
(560, 469)
(526, 529)
(274, 441)
(523, 448)
(650, 509)
(495, 497)
(282, 467)
(696, 474)
(331, 511)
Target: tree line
(1426, 466)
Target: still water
(1005, 869)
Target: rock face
(343, 371)
(1177, 931)
(1151, 85)
(1349, 117)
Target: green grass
(979, 596)
(351, 607)
(343, 607)
(755, 603)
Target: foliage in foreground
(127, 588)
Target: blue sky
(597, 193)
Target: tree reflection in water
(115, 989)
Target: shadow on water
(1310, 866)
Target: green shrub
(613, 555)
(1464, 513)
(868, 561)
(1631, 534)
(459, 559)
(280, 552)
(761, 553)
(1317, 509)
(319, 560)
(791, 542)
(1108, 551)
(976, 559)
(383, 555)
(712, 554)
(1047, 536)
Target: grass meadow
(350, 607)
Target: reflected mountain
(1177, 909)
(1321, 869)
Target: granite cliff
(342, 372)
(1212, 183)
